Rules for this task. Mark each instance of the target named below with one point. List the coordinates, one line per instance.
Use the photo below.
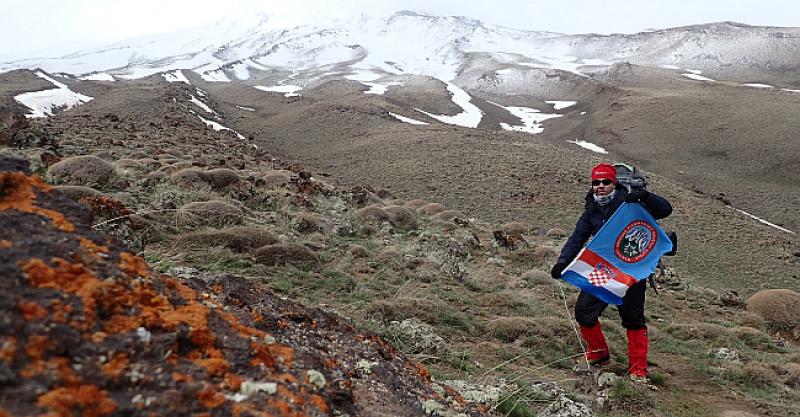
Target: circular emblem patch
(635, 241)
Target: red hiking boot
(637, 352)
(596, 349)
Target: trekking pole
(572, 322)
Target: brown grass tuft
(286, 254)
(210, 213)
(86, 170)
(238, 239)
(779, 307)
(401, 217)
(431, 209)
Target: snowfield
(44, 103)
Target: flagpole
(572, 322)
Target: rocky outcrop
(88, 328)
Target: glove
(637, 196)
(557, 270)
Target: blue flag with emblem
(624, 251)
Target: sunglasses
(603, 181)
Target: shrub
(310, 222)
(372, 213)
(448, 215)
(358, 251)
(431, 209)
(514, 228)
(535, 276)
(509, 329)
(220, 178)
(414, 204)
(187, 178)
(286, 254)
(210, 213)
(779, 307)
(85, 170)
(401, 217)
(238, 239)
(76, 192)
(277, 179)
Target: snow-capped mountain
(415, 43)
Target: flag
(624, 251)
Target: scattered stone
(607, 379)
(316, 378)
(726, 354)
(251, 387)
(413, 336)
(731, 298)
(565, 407)
(555, 232)
(479, 393)
(366, 366)
(547, 389)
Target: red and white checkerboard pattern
(598, 277)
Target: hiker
(605, 196)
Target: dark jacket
(595, 215)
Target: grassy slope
(498, 324)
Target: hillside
(409, 272)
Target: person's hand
(637, 196)
(557, 270)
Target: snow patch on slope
(470, 117)
(588, 145)
(531, 119)
(407, 119)
(176, 77)
(44, 103)
(288, 90)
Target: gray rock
(564, 407)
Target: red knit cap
(604, 171)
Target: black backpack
(633, 179)
(630, 177)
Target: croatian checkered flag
(625, 251)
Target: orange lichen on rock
(179, 377)
(214, 362)
(210, 398)
(68, 277)
(19, 194)
(5, 244)
(84, 400)
(261, 355)
(241, 328)
(320, 403)
(91, 247)
(116, 366)
(36, 347)
(133, 265)
(31, 310)
(8, 349)
(232, 381)
(285, 353)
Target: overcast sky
(37, 24)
